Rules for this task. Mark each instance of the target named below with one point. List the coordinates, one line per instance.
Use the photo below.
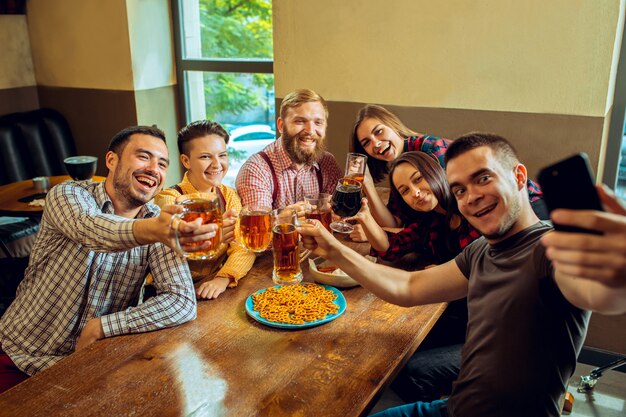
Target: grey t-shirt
(523, 336)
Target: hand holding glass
(318, 207)
(210, 211)
(346, 202)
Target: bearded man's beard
(297, 154)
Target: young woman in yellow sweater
(202, 148)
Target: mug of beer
(318, 207)
(285, 240)
(355, 166)
(255, 227)
(209, 209)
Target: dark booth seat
(32, 144)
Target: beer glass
(346, 202)
(318, 207)
(355, 166)
(209, 209)
(285, 240)
(255, 227)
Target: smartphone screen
(569, 184)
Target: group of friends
(520, 294)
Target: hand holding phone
(569, 184)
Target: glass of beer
(209, 209)
(255, 227)
(346, 202)
(318, 207)
(355, 166)
(285, 240)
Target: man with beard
(96, 243)
(527, 319)
(297, 163)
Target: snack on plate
(295, 304)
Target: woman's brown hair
(378, 168)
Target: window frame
(234, 65)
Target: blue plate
(340, 301)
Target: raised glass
(346, 202)
(355, 166)
(318, 207)
(209, 209)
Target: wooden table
(10, 194)
(226, 364)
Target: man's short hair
(119, 141)
(502, 148)
(298, 98)
(199, 129)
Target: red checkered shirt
(430, 236)
(255, 185)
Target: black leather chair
(32, 144)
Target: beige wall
(152, 50)
(107, 65)
(81, 44)
(16, 65)
(532, 56)
(18, 90)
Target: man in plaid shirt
(297, 163)
(96, 243)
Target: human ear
(280, 124)
(111, 160)
(521, 176)
(184, 159)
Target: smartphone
(569, 184)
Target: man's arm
(159, 229)
(173, 304)
(590, 270)
(442, 283)
(73, 211)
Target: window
(224, 55)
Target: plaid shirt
(255, 184)
(86, 263)
(436, 147)
(431, 234)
